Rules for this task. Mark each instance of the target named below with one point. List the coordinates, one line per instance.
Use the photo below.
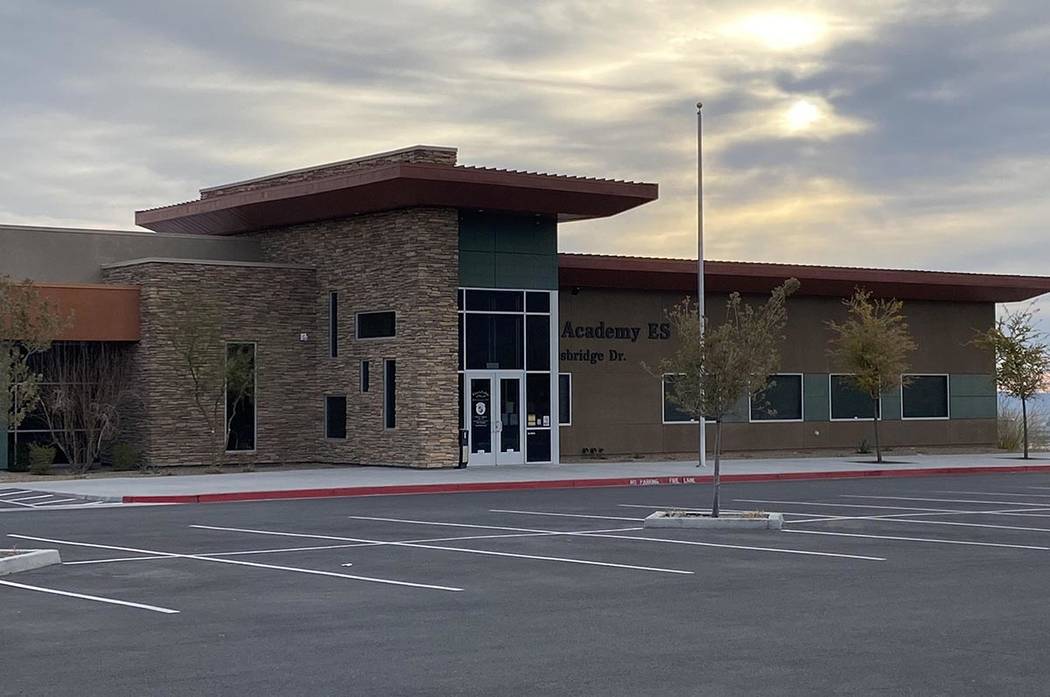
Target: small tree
(87, 384)
(873, 344)
(28, 324)
(217, 377)
(716, 367)
(1022, 359)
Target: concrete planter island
(736, 520)
(15, 560)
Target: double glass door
(497, 430)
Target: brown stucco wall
(406, 261)
(617, 406)
(264, 304)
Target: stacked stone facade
(405, 261)
(270, 305)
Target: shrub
(125, 457)
(41, 458)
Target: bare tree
(873, 345)
(1022, 359)
(28, 324)
(87, 385)
(713, 369)
(217, 377)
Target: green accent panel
(477, 269)
(891, 405)
(539, 271)
(973, 397)
(738, 414)
(815, 397)
(502, 250)
(3, 445)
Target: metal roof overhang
(399, 186)
(596, 271)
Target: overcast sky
(910, 133)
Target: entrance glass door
(495, 423)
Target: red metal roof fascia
(396, 186)
(680, 275)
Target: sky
(891, 133)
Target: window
(538, 342)
(673, 414)
(494, 300)
(390, 393)
(565, 399)
(335, 416)
(781, 400)
(495, 342)
(538, 302)
(364, 376)
(538, 400)
(924, 397)
(376, 325)
(848, 402)
(333, 324)
(240, 397)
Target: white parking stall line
(463, 550)
(973, 543)
(563, 515)
(14, 492)
(96, 598)
(27, 498)
(598, 533)
(238, 562)
(849, 505)
(688, 509)
(51, 503)
(892, 519)
(919, 498)
(16, 503)
(996, 493)
(150, 557)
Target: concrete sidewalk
(359, 481)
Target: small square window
(376, 325)
(924, 397)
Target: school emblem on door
(479, 408)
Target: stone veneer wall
(262, 303)
(406, 261)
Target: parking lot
(912, 586)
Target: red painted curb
(394, 490)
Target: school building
(388, 301)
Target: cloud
(907, 133)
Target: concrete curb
(732, 521)
(27, 560)
(465, 487)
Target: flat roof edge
(206, 262)
(102, 231)
(362, 158)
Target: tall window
(333, 324)
(335, 416)
(240, 396)
(924, 397)
(848, 402)
(390, 393)
(673, 414)
(376, 325)
(781, 400)
(565, 399)
(364, 376)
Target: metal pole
(702, 445)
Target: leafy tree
(1022, 358)
(873, 344)
(217, 376)
(28, 325)
(715, 367)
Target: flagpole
(702, 445)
